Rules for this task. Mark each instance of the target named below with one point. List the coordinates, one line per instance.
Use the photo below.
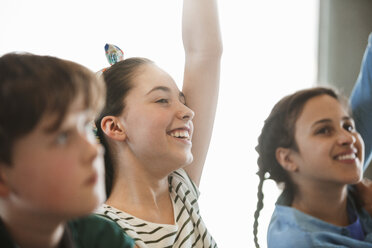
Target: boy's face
(59, 173)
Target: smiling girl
(310, 146)
(154, 158)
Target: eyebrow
(166, 89)
(162, 88)
(345, 118)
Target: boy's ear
(113, 128)
(285, 159)
(4, 187)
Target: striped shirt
(189, 229)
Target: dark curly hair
(278, 131)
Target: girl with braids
(310, 146)
(146, 128)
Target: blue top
(292, 228)
(356, 228)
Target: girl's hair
(32, 86)
(119, 81)
(278, 131)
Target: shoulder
(98, 231)
(180, 178)
(285, 231)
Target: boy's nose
(91, 148)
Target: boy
(51, 168)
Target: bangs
(32, 86)
(78, 82)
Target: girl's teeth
(346, 157)
(180, 134)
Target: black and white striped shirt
(189, 229)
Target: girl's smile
(329, 146)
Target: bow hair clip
(113, 54)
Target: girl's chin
(189, 159)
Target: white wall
(269, 51)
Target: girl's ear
(4, 187)
(285, 159)
(113, 128)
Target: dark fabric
(5, 240)
(96, 231)
(67, 240)
(89, 232)
(355, 228)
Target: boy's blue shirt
(292, 228)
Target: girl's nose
(185, 113)
(346, 138)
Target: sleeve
(361, 101)
(96, 231)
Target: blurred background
(271, 48)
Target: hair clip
(113, 54)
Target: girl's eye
(324, 130)
(348, 127)
(162, 101)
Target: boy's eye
(162, 101)
(86, 128)
(90, 132)
(62, 138)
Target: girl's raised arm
(361, 102)
(203, 50)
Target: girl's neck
(326, 203)
(32, 230)
(141, 194)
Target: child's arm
(203, 50)
(361, 101)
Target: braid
(260, 204)
(278, 131)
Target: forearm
(361, 101)
(203, 50)
(200, 29)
